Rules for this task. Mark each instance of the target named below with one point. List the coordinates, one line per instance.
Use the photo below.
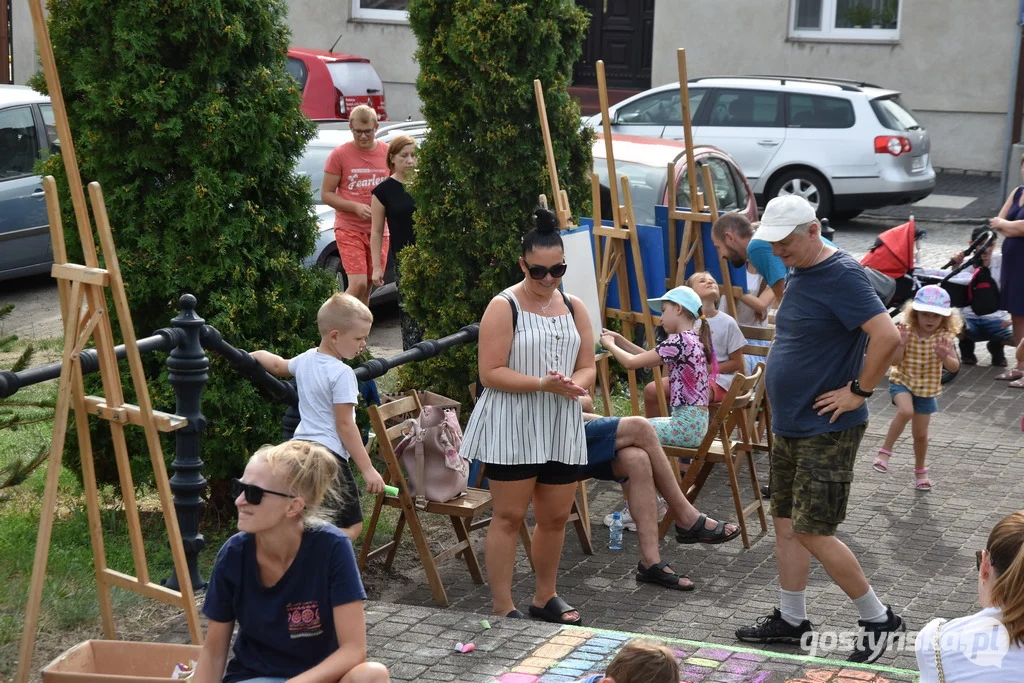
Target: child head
(1001, 573)
(930, 311)
(706, 286)
(292, 482)
(344, 323)
(643, 662)
(680, 310)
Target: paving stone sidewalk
(986, 190)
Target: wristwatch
(855, 389)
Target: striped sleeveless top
(537, 427)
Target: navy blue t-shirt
(288, 628)
(819, 345)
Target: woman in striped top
(536, 354)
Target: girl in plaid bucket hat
(927, 345)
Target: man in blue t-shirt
(817, 377)
(733, 237)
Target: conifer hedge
(184, 113)
(482, 166)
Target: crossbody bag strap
(938, 654)
(421, 475)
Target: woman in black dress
(393, 206)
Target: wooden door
(621, 33)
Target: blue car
(27, 133)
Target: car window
(19, 145)
(297, 68)
(660, 109)
(814, 111)
(355, 78)
(894, 115)
(746, 108)
(50, 124)
(646, 186)
(723, 180)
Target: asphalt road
(37, 307)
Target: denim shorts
(600, 449)
(922, 405)
(983, 329)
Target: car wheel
(807, 184)
(846, 215)
(331, 262)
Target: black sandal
(656, 574)
(515, 614)
(698, 534)
(553, 612)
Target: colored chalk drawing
(573, 653)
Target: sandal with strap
(515, 614)
(1017, 384)
(699, 534)
(553, 611)
(1012, 375)
(923, 483)
(880, 465)
(656, 574)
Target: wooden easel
(611, 244)
(83, 290)
(692, 247)
(580, 514)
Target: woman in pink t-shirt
(350, 174)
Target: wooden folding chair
(460, 511)
(579, 515)
(719, 447)
(760, 413)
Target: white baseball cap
(782, 215)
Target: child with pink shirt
(691, 363)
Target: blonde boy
(328, 393)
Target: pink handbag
(429, 454)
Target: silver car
(843, 146)
(27, 133)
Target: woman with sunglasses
(289, 579)
(536, 355)
(986, 647)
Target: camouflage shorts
(811, 478)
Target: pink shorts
(354, 249)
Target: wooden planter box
(118, 661)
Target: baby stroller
(893, 256)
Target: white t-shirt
(323, 382)
(726, 338)
(975, 648)
(745, 315)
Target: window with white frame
(381, 10)
(845, 19)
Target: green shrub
(482, 166)
(185, 115)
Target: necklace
(543, 308)
(816, 256)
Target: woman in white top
(986, 647)
(536, 353)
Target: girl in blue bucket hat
(927, 335)
(690, 360)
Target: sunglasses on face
(253, 493)
(540, 272)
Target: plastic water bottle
(615, 532)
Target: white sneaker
(627, 519)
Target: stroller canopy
(893, 252)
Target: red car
(645, 162)
(333, 83)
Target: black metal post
(188, 372)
